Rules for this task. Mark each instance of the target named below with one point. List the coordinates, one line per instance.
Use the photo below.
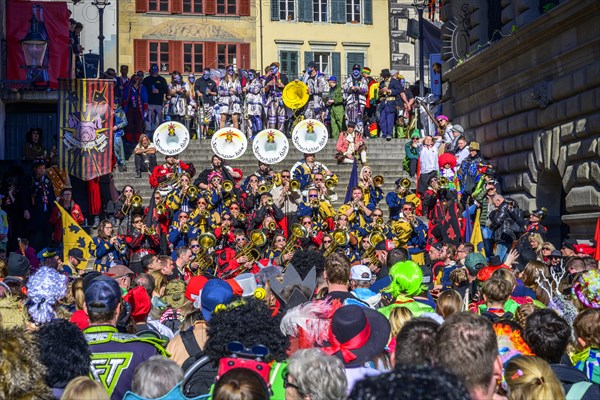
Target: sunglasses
(407, 209)
(137, 222)
(326, 241)
(195, 246)
(307, 223)
(280, 240)
(318, 179)
(546, 248)
(285, 176)
(286, 382)
(183, 217)
(227, 219)
(378, 215)
(313, 196)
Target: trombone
(257, 239)
(135, 203)
(375, 237)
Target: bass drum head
(270, 146)
(229, 143)
(171, 138)
(310, 136)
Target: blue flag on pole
(353, 182)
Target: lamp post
(420, 5)
(34, 46)
(101, 5)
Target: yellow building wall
(180, 27)
(375, 36)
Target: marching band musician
(224, 231)
(274, 255)
(206, 90)
(181, 230)
(377, 224)
(317, 87)
(123, 209)
(238, 219)
(264, 173)
(229, 260)
(275, 81)
(418, 237)
(285, 197)
(230, 91)
(109, 249)
(169, 171)
(327, 194)
(266, 209)
(321, 212)
(216, 196)
(217, 164)
(140, 242)
(195, 248)
(357, 212)
(178, 198)
(304, 171)
(396, 199)
(442, 212)
(355, 88)
(315, 232)
(251, 196)
(176, 97)
(254, 101)
(162, 219)
(372, 194)
(201, 217)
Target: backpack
(578, 390)
(200, 371)
(495, 317)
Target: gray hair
(155, 377)
(318, 375)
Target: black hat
(438, 246)
(367, 330)
(18, 265)
(76, 254)
(569, 244)
(312, 64)
(351, 124)
(385, 73)
(356, 66)
(541, 213)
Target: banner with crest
(85, 148)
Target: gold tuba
(340, 238)
(295, 95)
(378, 181)
(298, 232)
(205, 262)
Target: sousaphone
(295, 95)
(171, 138)
(229, 143)
(310, 136)
(270, 146)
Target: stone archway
(551, 194)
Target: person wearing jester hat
(406, 282)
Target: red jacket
(342, 143)
(159, 174)
(56, 220)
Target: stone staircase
(384, 158)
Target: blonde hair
(83, 388)
(531, 378)
(159, 281)
(524, 311)
(449, 302)
(398, 317)
(77, 293)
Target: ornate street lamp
(420, 6)
(34, 46)
(101, 5)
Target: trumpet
(340, 238)
(443, 182)
(375, 237)
(263, 189)
(379, 222)
(161, 209)
(405, 183)
(315, 203)
(204, 214)
(241, 217)
(185, 228)
(272, 225)
(269, 202)
(225, 230)
(378, 181)
(294, 185)
(227, 186)
(135, 203)
(150, 230)
(192, 193)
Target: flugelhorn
(405, 183)
(192, 193)
(340, 238)
(443, 182)
(378, 181)
(135, 203)
(330, 183)
(263, 189)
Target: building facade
(186, 35)
(524, 78)
(336, 34)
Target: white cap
(360, 273)
(247, 282)
(393, 72)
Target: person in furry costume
(22, 376)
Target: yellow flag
(476, 237)
(74, 236)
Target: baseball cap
(76, 254)
(438, 246)
(312, 64)
(427, 280)
(102, 294)
(356, 66)
(195, 286)
(393, 72)
(119, 271)
(154, 68)
(473, 260)
(215, 293)
(360, 273)
(333, 78)
(457, 128)
(556, 253)
(569, 244)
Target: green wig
(407, 279)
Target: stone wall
(532, 99)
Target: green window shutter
(308, 57)
(336, 65)
(354, 58)
(368, 13)
(338, 11)
(305, 10)
(274, 10)
(293, 72)
(284, 61)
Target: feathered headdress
(309, 322)
(558, 301)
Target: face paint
(205, 76)
(230, 71)
(176, 78)
(310, 70)
(355, 73)
(274, 70)
(192, 79)
(251, 76)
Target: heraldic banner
(85, 149)
(74, 237)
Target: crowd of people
(232, 284)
